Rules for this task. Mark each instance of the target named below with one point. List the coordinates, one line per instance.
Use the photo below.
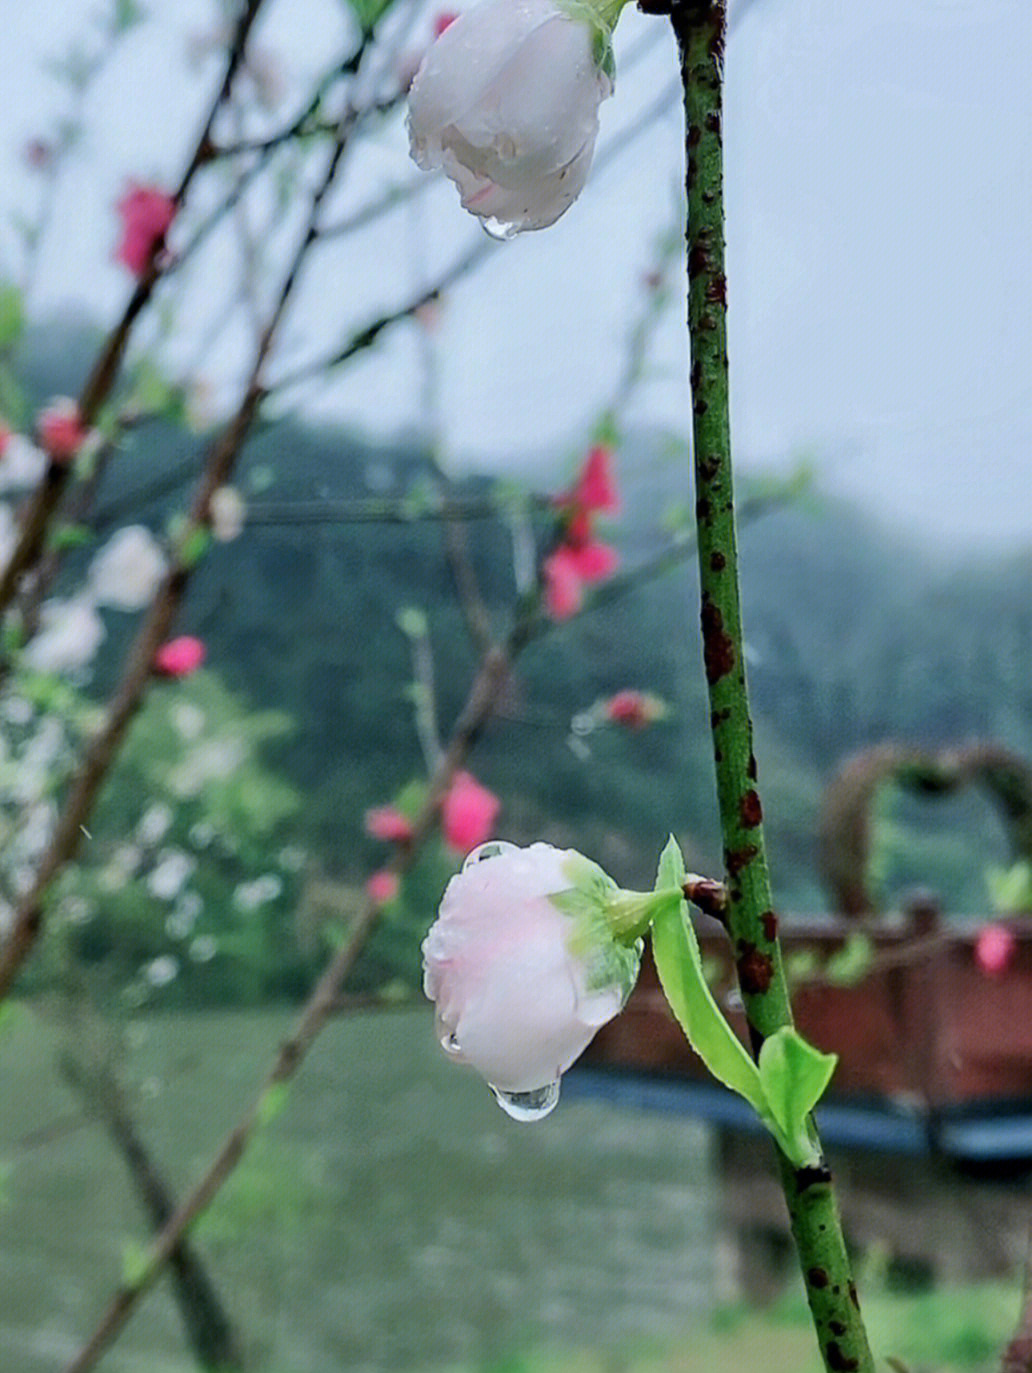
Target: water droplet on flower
(498, 229)
(528, 1106)
(450, 1043)
(491, 849)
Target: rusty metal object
(845, 829)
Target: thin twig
(97, 388)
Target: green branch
(700, 28)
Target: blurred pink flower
(995, 946)
(382, 887)
(595, 491)
(591, 560)
(468, 813)
(634, 709)
(570, 568)
(146, 214)
(179, 657)
(60, 429)
(5, 435)
(388, 823)
(564, 587)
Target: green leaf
(71, 536)
(794, 1076)
(679, 964)
(273, 1102)
(12, 317)
(135, 1263)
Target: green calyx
(601, 16)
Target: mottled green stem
(700, 27)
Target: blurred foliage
(854, 636)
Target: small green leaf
(679, 964)
(851, 962)
(12, 317)
(794, 1076)
(273, 1102)
(71, 536)
(135, 1262)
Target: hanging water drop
(482, 852)
(450, 1043)
(528, 1106)
(498, 229)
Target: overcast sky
(879, 168)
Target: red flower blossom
(468, 813)
(382, 887)
(60, 429)
(595, 490)
(995, 947)
(388, 823)
(146, 214)
(179, 657)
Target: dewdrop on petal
(506, 103)
(524, 965)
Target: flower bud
(506, 102)
(524, 964)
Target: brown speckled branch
(700, 27)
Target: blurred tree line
(856, 635)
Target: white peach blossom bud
(506, 102)
(128, 570)
(524, 964)
(70, 634)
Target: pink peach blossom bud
(146, 213)
(523, 968)
(995, 946)
(634, 709)
(179, 657)
(60, 429)
(382, 887)
(468, 813)
(388, 823)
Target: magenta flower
(179, 657)
(995, 947)
(382, 887)
(60, 429)
(468, 813)
(595, 491)
(146, 213)
(388, 823)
